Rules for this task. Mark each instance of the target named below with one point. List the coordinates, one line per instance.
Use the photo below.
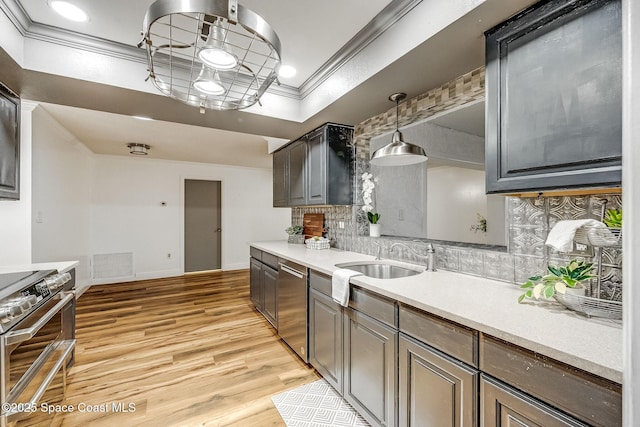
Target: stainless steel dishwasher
(292, 306)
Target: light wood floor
(187, 351)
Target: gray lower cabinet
(325, 337)
(370, 368)
(434, 389)
(255, 289)
(270, 292)
(263, 284)
(504, 406)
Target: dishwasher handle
(293, 272)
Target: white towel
(562, 234)
(340, 285)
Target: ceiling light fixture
(398, 152)
(181, 36)
(286, 71)
(213, 53)
(208, 82)
(69, 11)
(138, 149)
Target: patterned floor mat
(316, 404)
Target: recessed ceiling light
(69, 11)
(286, 71)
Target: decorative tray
(591, 307)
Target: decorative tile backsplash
(529, 219)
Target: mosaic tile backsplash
(529, 220)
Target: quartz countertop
(489, 306)
(61, 267)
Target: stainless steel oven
(35, 351)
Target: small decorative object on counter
(368, 185)
(295, 234)
(317, 243)
(559, 280)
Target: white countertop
(62, 267)
(489, 306)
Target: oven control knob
(5, 315)
(10, 311)
(56, 281)
(33, 300)
(20, 302)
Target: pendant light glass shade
(214, 53)
(398, 152)
(208, 82)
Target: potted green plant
(613, 218)
(295, 234)
(368, 185)
(559, 280)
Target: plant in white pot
(560, 279)
(368, 185)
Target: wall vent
(112, 266)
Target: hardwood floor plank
(186, 351)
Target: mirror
(449, 187)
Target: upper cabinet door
(297, 173)
(554, 109)
(280, 178)
(316, 169)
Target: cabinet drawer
(591, 399)
(320, 282)
(270, 260)
(457, 340)
(255, 253)
(376, 306)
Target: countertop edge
(324, 260)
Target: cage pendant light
(398, 152)
(189, 41)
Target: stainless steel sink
(380, 269)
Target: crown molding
(55, 35)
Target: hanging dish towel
(562, 234)
(340, 285)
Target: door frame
(184, 178)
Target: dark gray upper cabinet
(553, 98)
(280, 178)
(297, 173)
(315, 169)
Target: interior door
(202, 225)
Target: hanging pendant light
(398, 152)
(182, 35)
(208, 82)
(214, 53)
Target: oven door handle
(21, 335)
(67, 347)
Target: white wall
(15, 215)
(128, 215)
(61, 202)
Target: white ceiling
(311, 33)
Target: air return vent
(112, 266)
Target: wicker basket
(296, 238)
(317, 244)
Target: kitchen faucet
(430, 253)
(378, 250)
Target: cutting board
(313, 225)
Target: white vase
(374, 230)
